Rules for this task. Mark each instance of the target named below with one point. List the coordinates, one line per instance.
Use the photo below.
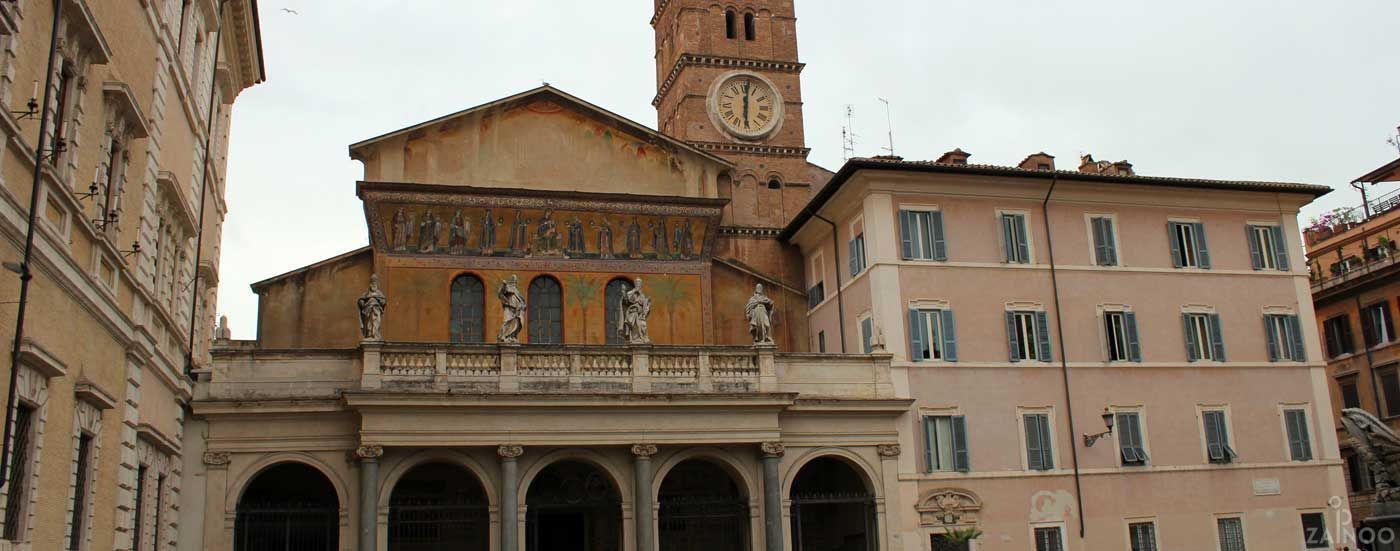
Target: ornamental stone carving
(949, 507)
(512, 310)
(216, 459)
(510, 451)
(772, 449)
(888, 450)
(759, 311)
(369, 452)
(644, 450)
(636, 308)
(371, 305)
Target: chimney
(1123, 168)
(1038, 161)
(954, 157)
(1120, 168)
(1086, 164)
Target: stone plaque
(1267, 487)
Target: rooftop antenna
(889, 126)
(1395, 140)
(848, 135)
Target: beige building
(123, 196)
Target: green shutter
(1190, 338)
(866, 332)
(1100, 241)
(1202, 251)
(940, 245)
(1217, 341)
(917, 346)
(1035, 453)
(930, 444)
(950, 336)
(1295, 328)
(1280, 248)
(1256, 256)
(1013, 343)
(1110, 243)
(1175, 245)
(1134, 349)
(960, 456)
(1271, 337)
(1008, 236)
(1042, 329)
(1047, 451)
(906, 235)
(1215, 449)
(1023, 242)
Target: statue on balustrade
(636, 308)
(512, 310)
(634, 239)
(399, 229)
(488, 233)
(759, 311)
(457, 236)
(605, 244)
(371, 305)
(1379, 447)
(428, 233)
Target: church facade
(571, 331)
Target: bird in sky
(291, 11)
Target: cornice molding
(752, 149)
(685, 60)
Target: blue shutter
(1043, 335)
(1280, 248)
(1012, 341)
(1256, 256)
(950, 337)
(960, 456)
(1190, 338)
(930, 444)
(1176, 245)
(1034, 447)
(1296, 329)
(1217, 341)
(1134, 350)
(1202, 251)
(917, 346)
(1023, 242)
(906, 235)
(1271, 337)
(940, 245)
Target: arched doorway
(573, 506)
(439, 507)
(702, 509)
(832, 509)
(288, 507)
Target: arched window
(774, 184)
(546, 311)
(468, 312)
(748, 26)
(729, 28)
(612, 297)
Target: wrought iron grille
(430, 524)
(704, 524)
(287, 527)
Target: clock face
(746, 105)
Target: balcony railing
(1344, 220)
(1367, 268)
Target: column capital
(887, 450)
(644, 450)
(216, 459)
(772, 449)
(510, 451)
(369, 452)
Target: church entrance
(573, 506)
(702, 509)
(439, 507)
(288, 507)
(832, 509)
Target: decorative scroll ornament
(759, 312)
(643, 450)
(510, 451)
(216, 459)
(636, 308)
(772, 449)
(369, 451)
(949, 507)
(888, 450)
(371, 305)
(512, 310)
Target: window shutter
(1008, 236)
(950, 336)
(1100, 241)
(1384, 310)
(1047, 451)
(1190, 338)
(917, 346)
(1042, 328)
(1256, 256)
(930, 444)
(960, 457)
(1280, 248)
(1134, 350)
(1304, 439)
(1271, 337)
(867, 330)
(1202, 252)
(1034, 452)
(1214, 449)
(1023, 242)
(1125, 437)
(853, 257)
(1368, 326)
(906, 235)
(1013, 343)
(1110, 244)
(1296, 329)
(940, 245)
(1331, 333)
(1175, 245)
(925, 234)
(1216, 341)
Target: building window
(138, 512)
(729, 24)
(1295, 423)
(775, 184)
(1284, 336)
(1338, 334)
(1315, 531)
(856, 249)
(1143, 536)
(867, 332)
(1105, 241)
(1231, 532)
(1049, 538)
(159, 508)
(1358, 474)
(1040, 453)
(66, 77)
(748, 26)
(468, 309)
(612, 313)
(816, 294)
(545, 311)
(81, 482)
(115, 167)
(945, 443)
(1128, 426)
(821, 341)
(1390, 389)
(1376, 325)
(932, 335)
(1203, 338)
(1015, 238)
(921, 235)
(1218, 448)
(1268, 250)
(1188, 242)
(1120, 330)
(16, 500)
(1028, 335)
(1350, 396)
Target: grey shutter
(1202, 251)
(926, 238)
(1013, 343)
(1190, 338)
(1217, 342)
(1176, 245)
(1280, 248)
(950, 336)
(1256, 256)
(1100, 242)
(1295, 328)
(960, 456)
(1299, 441)
(940, 244)
(930, 444)
(853, 257)
(1023, 242)
(1271, 337)
(1047, 451)
(916, 336)
(1110, 243)
(1034, 446)
(1125, 437)
(866, 332)
(1134, 350)
(1008, 236)
(1215, 449)
(1042, 329)
(906, 235)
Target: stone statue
(759, 311)
(547, 235)
(605, 244)
(658, 238)
(372, 305)
(512, 310)
(488, 233)
(221, 331)
(634, 239)
(458, 234)
(428, 233)
(1379, 447)
(400, 228)
(636, 308)
(520, 235)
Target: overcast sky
(1244, 89)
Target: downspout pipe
(204, 191)
(1064, 362)
(836, 255)
(24, 273)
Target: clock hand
(746, 104)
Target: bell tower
(728, 82)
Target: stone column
(216, 488)
(641, 495)
(510, 502)
(369, 496)
(772, 496)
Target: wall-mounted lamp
(135, 248)
(1089, 439)
(33, 105)
(92, 192)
